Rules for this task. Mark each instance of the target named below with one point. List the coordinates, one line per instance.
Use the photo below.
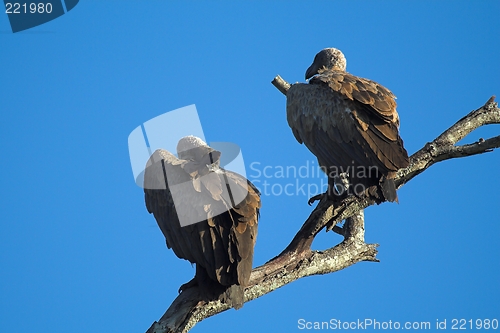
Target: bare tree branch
(297, 260)
(281, 84)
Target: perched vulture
(351, 125)
(208, 216)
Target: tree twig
(281, 84)
(297, 260)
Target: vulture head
(328, 58)
(188, 145)
(195, 149)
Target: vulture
(208, 216)
(351, 125)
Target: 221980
(463, 324)
(23, 8)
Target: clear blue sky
(80, 253)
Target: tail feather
(211, 290)
(235, 296)
(389, 190)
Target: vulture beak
(312, 70)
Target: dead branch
(297, 260)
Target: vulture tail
(235, 296)
(211, 290)
(389, 190)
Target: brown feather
(347, 121)
(221, 244)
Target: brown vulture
(351, 125)
(208, 216)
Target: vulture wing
(223, 238)
(347, 121)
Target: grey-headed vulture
(351, 125)
(208, 216)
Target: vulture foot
(188, 285)
(317, 197)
